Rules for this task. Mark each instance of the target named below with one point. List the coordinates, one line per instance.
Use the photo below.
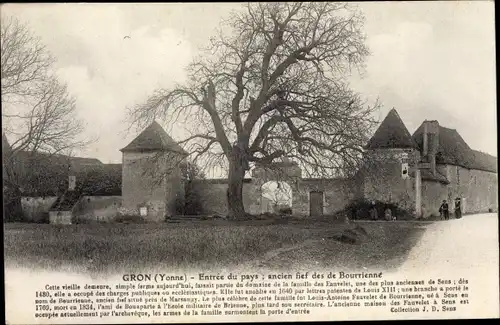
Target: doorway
(315, 203)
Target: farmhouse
(415, 172)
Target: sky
(429, 60)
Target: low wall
(36, 208)
(60, 217)
(337, 194)
(97, 208)
(213, 196)
(433, 194)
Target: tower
(151, 176)
(390, 160)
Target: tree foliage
(192, 201)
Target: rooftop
(153, 138)
(392, 133)
(453, 150)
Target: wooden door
(316, 203)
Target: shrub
(180, 205)
(360, 209)
(129, 218)
(191, 203)
(285, 210)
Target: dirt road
(466, 248)
(457, 244)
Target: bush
(192, 201)
(180, 206)
(129, 218)
(191, 204)
(286, 210)
(360, 209)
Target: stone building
(151, 175)
(416, 172)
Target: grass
(203, 245)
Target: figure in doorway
(458, 208)
(388, 214)
(373, 211)
(444, 211)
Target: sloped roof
(45, 159)
(484, 161)
(95, 180)
(453, 150)
(154, 138)
(427, 175)
(102, 180)
(392, 133)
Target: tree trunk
(235, 187)
(13, 211)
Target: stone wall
(337, 194)
(97, 208)
(478, 189)
(152, 180)
(213, 196)
(60, 217)
(383, 180)
(433, 194)
(35, 208)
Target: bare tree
(50, 124)
(24, 60)
(38, 112)
(39, 116)
(272, 85)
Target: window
(458, 176)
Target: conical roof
(392, 133)
(153, 138)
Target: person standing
(373, 211)
(443, 209)
(458, 208)
(388, 214)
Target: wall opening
(276, 197)
(316, 203)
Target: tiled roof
(453, 150)
(427, 175)
(154, 138)
(103, 180)
(392, 133)
(484, 161)
(94, 180)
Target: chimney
(71, 183)
(425, 140)
(431, 143)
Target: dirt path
(465, 248)
(457, 244)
